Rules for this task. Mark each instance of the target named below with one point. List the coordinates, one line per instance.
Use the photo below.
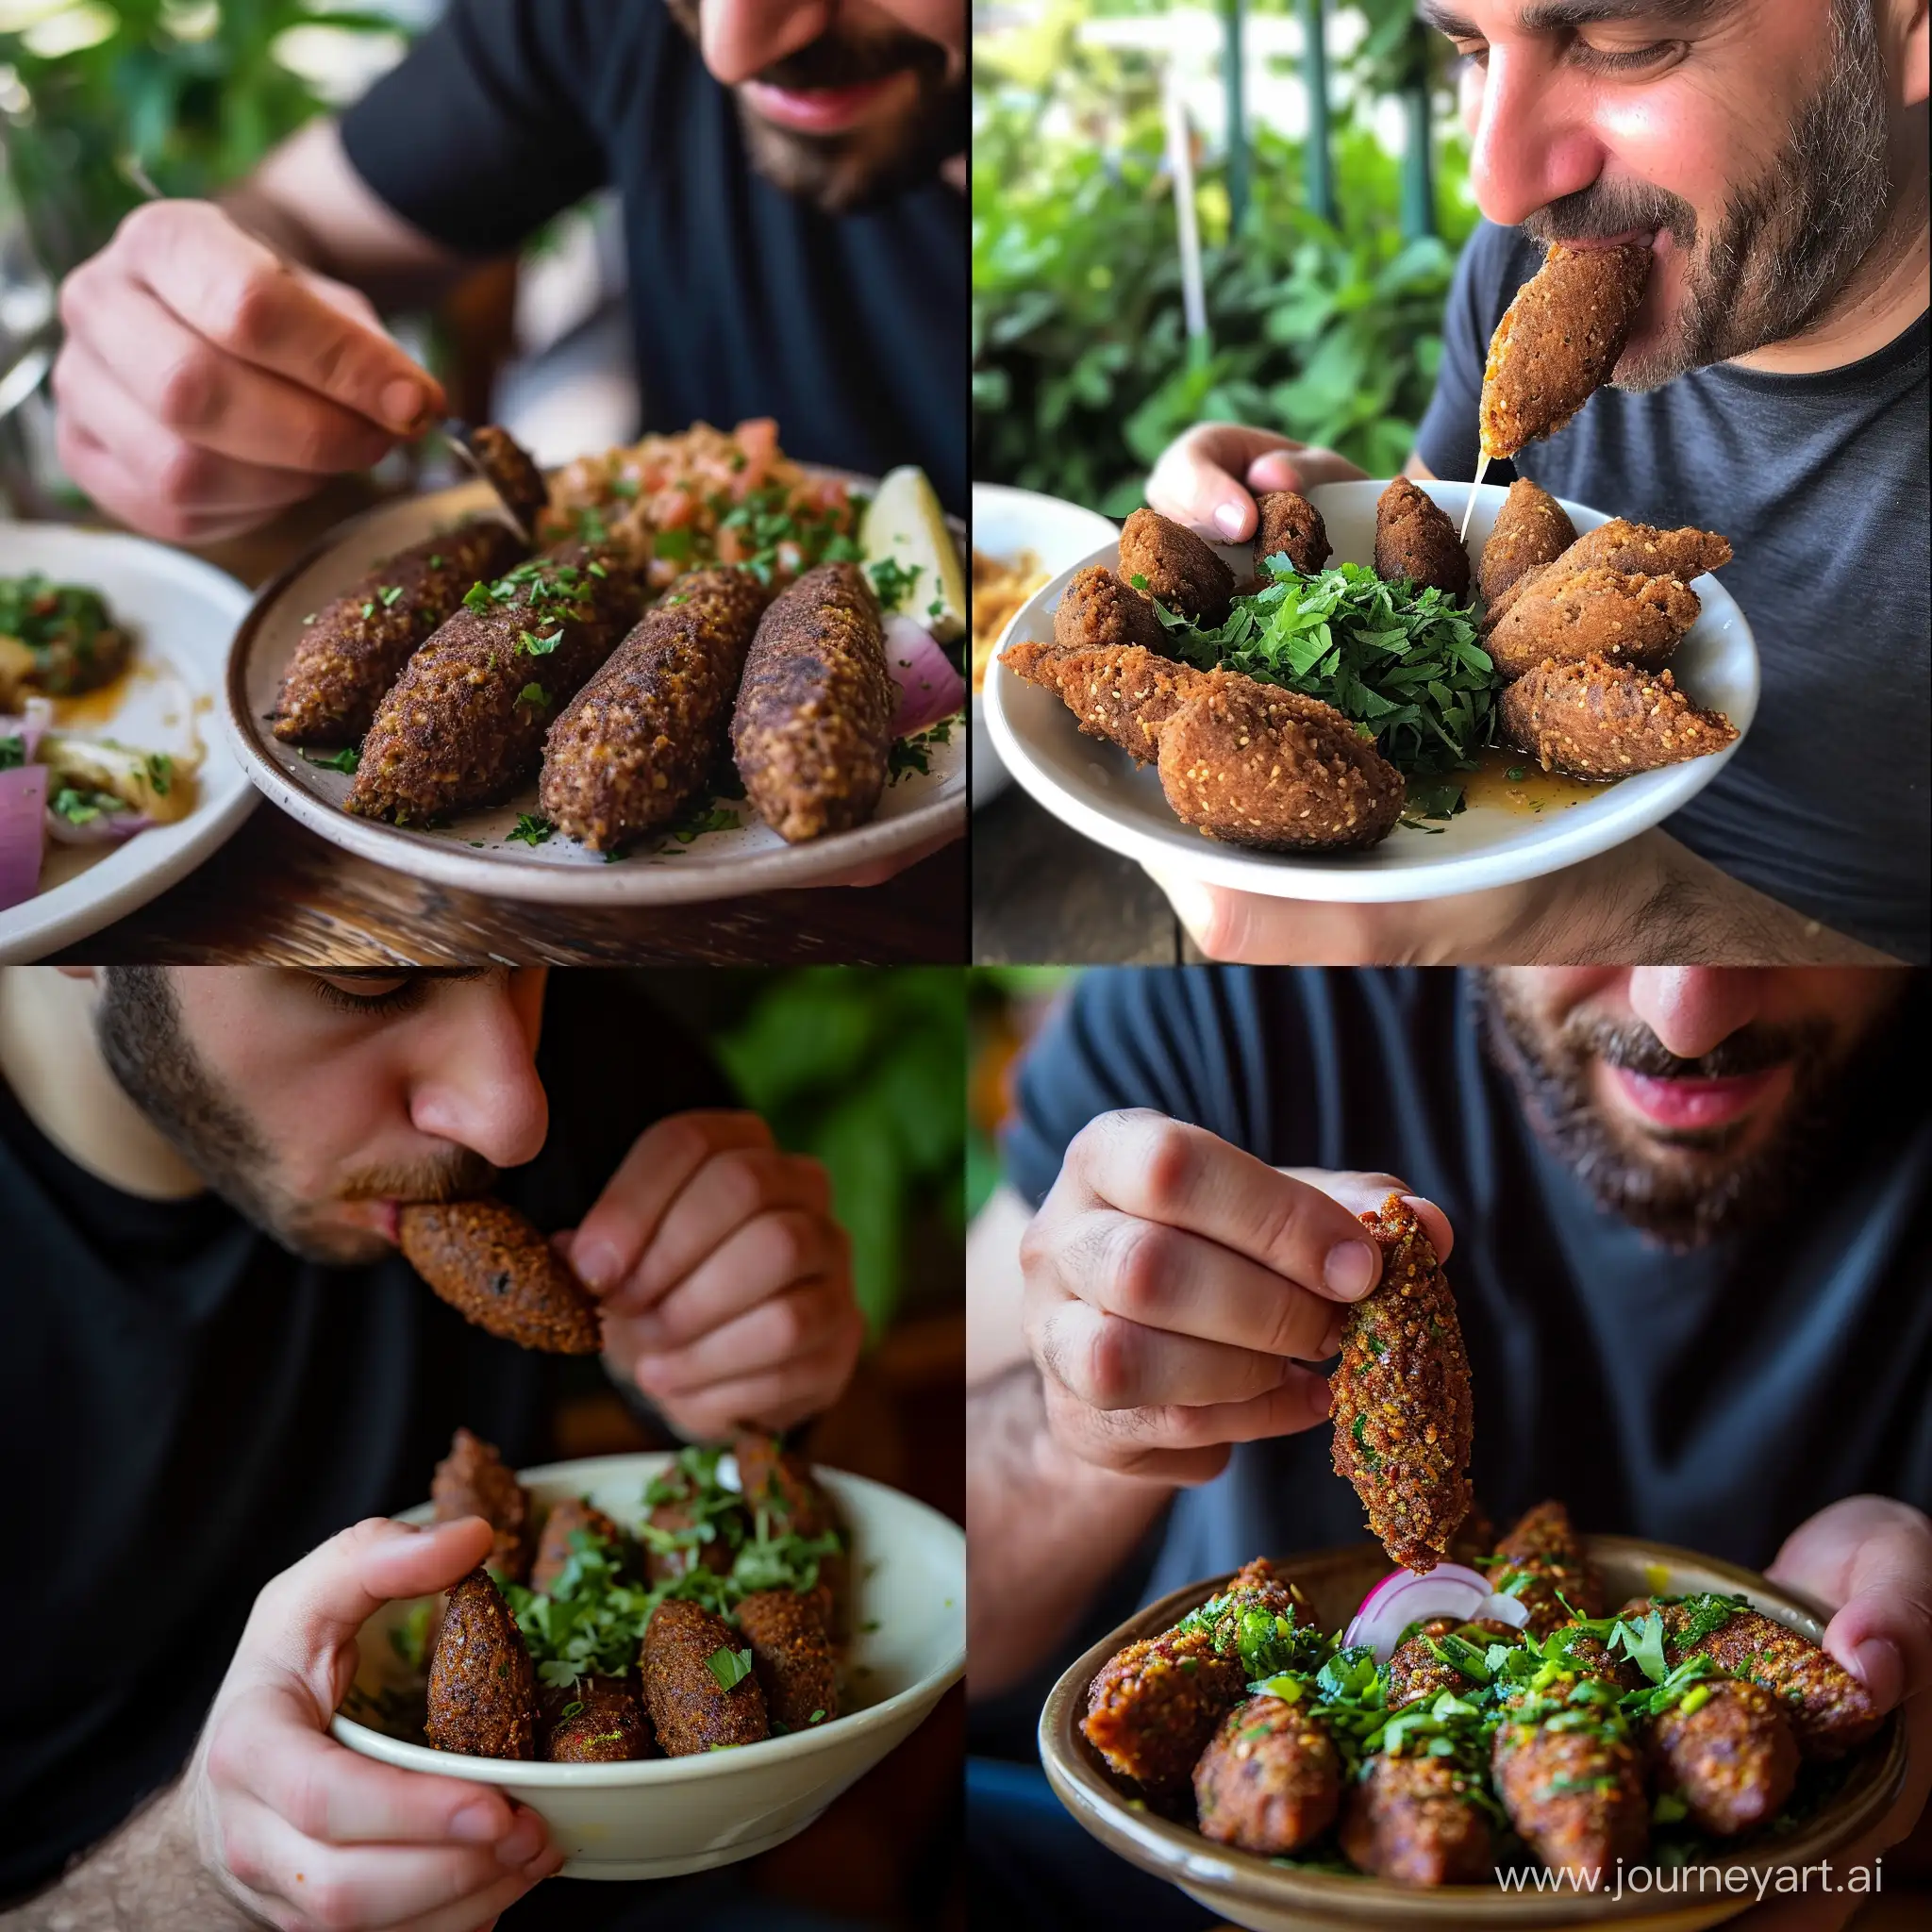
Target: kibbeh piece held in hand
(1400, 1397)
(1597, 719)
(1415, 538)
(1177, 568)
(1559, 340)
(496, 1270)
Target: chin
(333, 1243)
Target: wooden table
(277, 895)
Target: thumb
(1198, 480)
(1883, 1634)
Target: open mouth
(819, 109)
(1582, 242)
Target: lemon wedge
(904, 523)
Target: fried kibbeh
(1730, 1754)
(1124, 695)
(1541, 1562)
(1270, 1780)
(1615, 615)
(1415, 538)
(791, 1653)
(1598, 720)
(690, 1707)
(1420, 1667)
(556, 1546)
(1417, 1821)
(1152, 1707)
(472, 1480)
(1177, 568)
(1097, 611)
(1558, 342)
(1635, 549)
(594, 1720)
(482, 1690)
(1289, 527)
(1400, 1397)
(1251, 764)
(1575, 1797)
(1531, 529)
(496, 1270)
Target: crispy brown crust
(1270, 1780)
(472, 1480)
(1576, 1797)
(608, 1726)
(1733, 1759)
(1121, 695)
(1180, 570)
(496, 1270)
(631, 750)
(1630, 549)
(1415, 538)
(1254, 765)
(1290, 525)
(691, 1712)
(1152, 1707)
(780, 1481)
(1559, 340)
(554, 1549)
(1415, 1670)
(1415, 1821)
(1097, 611)
(1615, 615)
(1596, 720)
(512, 471)
(1543, 1546)
(791, 1651)
(811, 730)
(456, 729)
(1531, 529)
(1400, 1397)
(482, 1690)
(351, 651)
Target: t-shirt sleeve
(1447, 438)
(486, 128)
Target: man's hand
(307, 1835)
(1174, 1284)
(1208, 477)
(1870, 1560)
(726, 1284)
(205, 384)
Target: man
(1686, 1215)
(791, 177)
(1774, 388)
(221, 1379)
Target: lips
(1689, 1106)
(819, 109)
(1579, 243)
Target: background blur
(1330, 193)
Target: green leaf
(730, 1666)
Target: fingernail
(597, 1263)
(1879, 1667)
(1229, 520)
(1350, 1269)
(478, 1824)
(404, 405)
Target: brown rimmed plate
(1255, 1892)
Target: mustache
(1613, 208)
(836, 60)
(457, 1175)
(1753, 1049)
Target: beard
(1686, 1187)
(138, 1029)
(860, 168)
(1781, 255)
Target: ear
(1915, 65)
(88, 972)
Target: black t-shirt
(1714, 1398)
(186, 1409)
(850, 329)
(1821, 483)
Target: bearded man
(1687, 1214)
(1773, 387)
(792, 185)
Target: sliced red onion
(1402, 1598)
(22, 831)
(929, 688)
(106, 828)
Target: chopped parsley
(344, 761)
(82, 807)
(534, 695)
(730, 1666)
(893, 582)
(538, 647)
(531, 829)
(12, 752)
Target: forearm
(1046, 1530)
(146, 1877)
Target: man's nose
(1531, 143)
(741, 37)
(475, 1081)
(1692, 1008)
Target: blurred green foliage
(1082, 371)
(1002, 1003)
(194, 92)
(867, 1071)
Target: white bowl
(667, 1815)
(1099, 791)
(1006, 522)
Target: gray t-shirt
(1821, 483)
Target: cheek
(943, 20)
(1676, 137)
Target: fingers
(752, 1264)
(798, 1322)
(621, 1224)
(1160, 1440)
(233, 291)
(1111, 1364)
(1161, 1169)
(1363, 1194)
(774, 1399)
(1199, 479)
(1872, 1556)
(114, 486)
